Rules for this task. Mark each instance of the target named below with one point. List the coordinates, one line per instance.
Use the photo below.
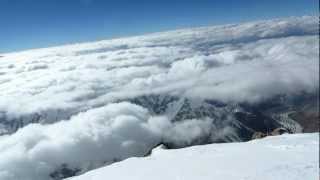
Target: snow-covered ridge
(286, 157)
(79, 107)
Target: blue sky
(29, 24)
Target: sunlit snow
(286, 157)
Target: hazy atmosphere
(43, 23)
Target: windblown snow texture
(66, 110)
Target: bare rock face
(279, 131)
(249, 121)
(64, 172)
(275, 132)
(258, 135)
(309, 120)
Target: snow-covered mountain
(286, 157)
(70, 109)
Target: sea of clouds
(91, 139)
(80, 90)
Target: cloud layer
(76, 90)
(247, 62)
(91, 139)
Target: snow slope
(286, 157)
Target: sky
(28, 24)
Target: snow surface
(286, 157)
(79, 92)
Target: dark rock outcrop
(64, 172)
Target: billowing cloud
(247, 62)
(91, 139)
(76, 90)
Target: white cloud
(218, 62)
(91, 139)
(234, 63)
